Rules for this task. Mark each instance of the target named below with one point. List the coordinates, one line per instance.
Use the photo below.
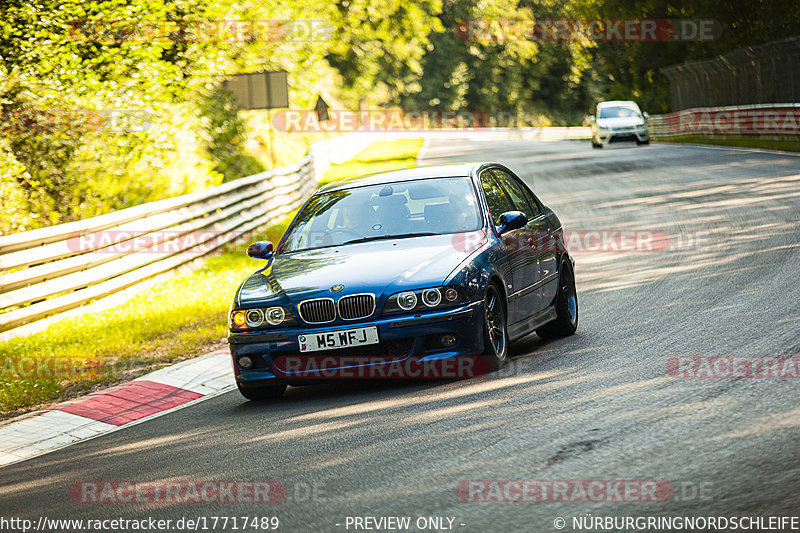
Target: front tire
(260, 394)
(495, 333)
(566, 304)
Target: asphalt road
(596, 406)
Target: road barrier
(54, 269)
(50, 270)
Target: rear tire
(259, 394)
(495, 333)
(566, 304)
(640, 143)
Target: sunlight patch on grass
(378, 157)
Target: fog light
(448, 340)
(245, 362)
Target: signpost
(321, 107)
(260, 90)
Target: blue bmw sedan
(427, 264)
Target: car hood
(619, 122)
(379, 267)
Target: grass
(180, 318)
(789, 145)
(378, 157)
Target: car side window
(535, 203)
(497, 200)
(517, 192)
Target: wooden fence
(50, 270)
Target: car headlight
(274, 316)
(422, 299)
(253, 318)
(243, 319)
(431, 297)
(407, 301)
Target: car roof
(621, 103)
(406, 174)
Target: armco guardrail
(50, 270)
(46, 271)
(754, 120)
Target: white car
(618, 120)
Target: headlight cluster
(258, 318)
(425, 299)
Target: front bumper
(628, 134)
(402, 336)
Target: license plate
(344, 338)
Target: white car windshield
(617, 112)
(389, 210)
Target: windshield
(617, 112)
(394, 210)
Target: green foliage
(378, 45)
(111, 118)
(520, 82)
(516, 82)
(227, 135)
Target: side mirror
(591, 118)
(646, 115)
(512, 220)
(260, 250)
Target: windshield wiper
(396, 236)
